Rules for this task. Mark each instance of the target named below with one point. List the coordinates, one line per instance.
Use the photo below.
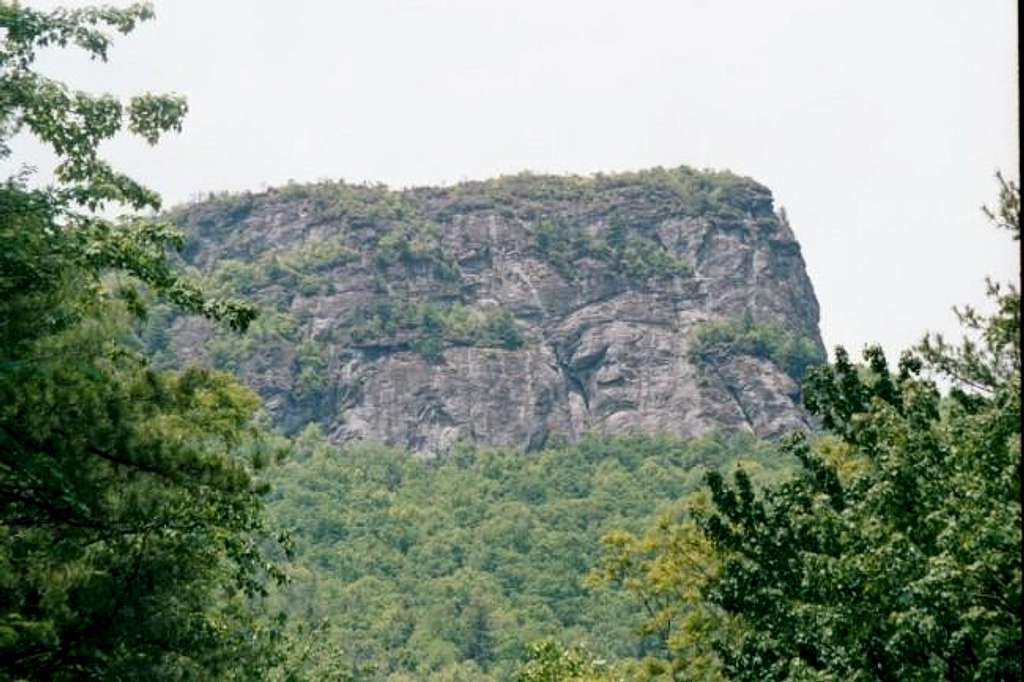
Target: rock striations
(511, 311)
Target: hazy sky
(878, 125)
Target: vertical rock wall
(605, 280)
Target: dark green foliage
(416, 244)
(128, 500)
(428, 327)
(718, 341)
(310, 369)
(132, 538)
(131, 533)
(635, 256)
(895, 553)
(910, 568)
(892, 555)
(303, 270)
(457, 563)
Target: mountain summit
(509, 311)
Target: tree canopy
(894, 554)
(133, 535)
(449, 568)
(130, 512)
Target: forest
(155, 523)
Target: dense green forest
(154, 525)
(447, 568)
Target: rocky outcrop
(504, 312)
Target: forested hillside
(447, 569)
(536, 428)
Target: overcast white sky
(878, 125)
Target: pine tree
(130, 516)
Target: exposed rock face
(606, 280)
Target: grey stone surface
(604, 352)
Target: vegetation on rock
(894, 553)
(428, 327)
(385, 283)
(719, 340)
(137, 510)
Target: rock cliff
(509, 311)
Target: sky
(878, 125)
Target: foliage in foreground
(548, 661)
(130, 511)
(893, 555)
(132, 540)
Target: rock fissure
(533, 305)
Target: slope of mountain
(511, 311)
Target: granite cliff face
(505, 312)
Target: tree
(667, 570)
(894, 553)
(547, 661)
(131, 531)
